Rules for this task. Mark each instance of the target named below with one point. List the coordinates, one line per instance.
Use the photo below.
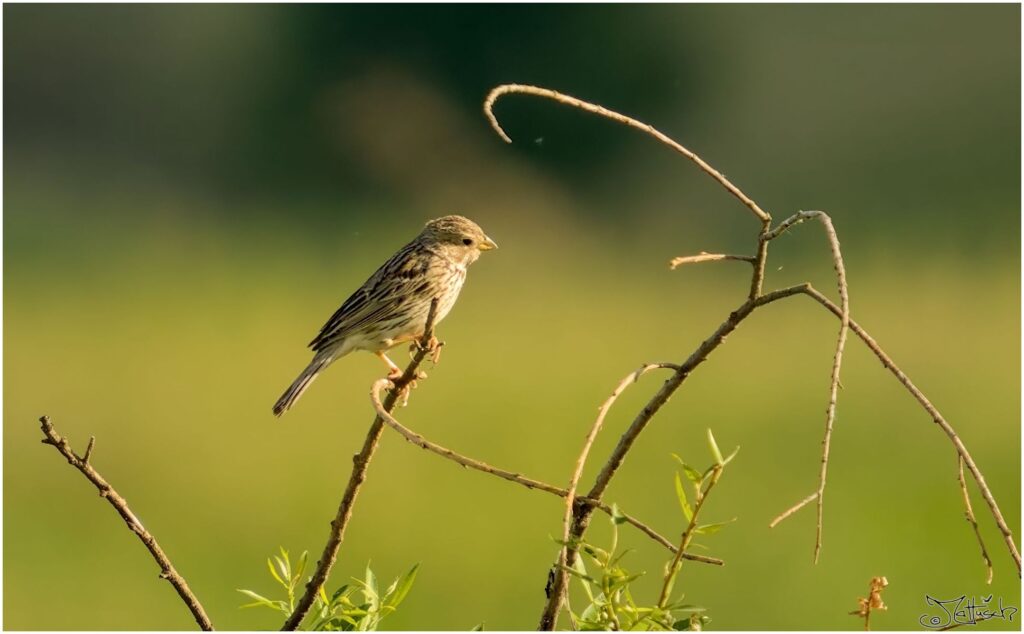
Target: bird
(391, 307)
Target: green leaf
(711, 529)
(340, 593)
(582, 571)
(715, 451)
(302, 568)
(620, 583)
(683, 502)
(397, 595)
(599, 555)
(686, 608)
(260, 600)
(729, 458)
(371, 580)
(273, 572)
(479, 627)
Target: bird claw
(433, 347)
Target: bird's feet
(433, 347)
(394, 372)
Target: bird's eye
(467, 241)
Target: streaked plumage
(391, 307)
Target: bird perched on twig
(392, 306)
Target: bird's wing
(378, 299)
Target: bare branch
(167, 570)
(360, 463)
(793, 509)
(837, 361)
(704, 256)
(530, 483)
(88, 449)
(536, 91)
(969, 514)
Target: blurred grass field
(172, 357)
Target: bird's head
(460, 237)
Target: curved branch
(536, 91)
(107, 492)
(969, 516)
(360, 462)
(837, 361)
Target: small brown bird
(391, 307)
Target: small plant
(339, 613)
(611, 604)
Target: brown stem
(167, 571)
(969, 514)
(360, 463)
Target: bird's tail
(293, 393)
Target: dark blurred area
(278, 103)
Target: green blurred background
(192, 190)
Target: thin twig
(536, 91)
(793, 509)
(837, 360)
(937, 417)
(969, 514)
(561, 576)
(360, 462)
(530, 483)
(167, 570)
(88, 449)
(704, 256)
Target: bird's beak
(487, 244)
